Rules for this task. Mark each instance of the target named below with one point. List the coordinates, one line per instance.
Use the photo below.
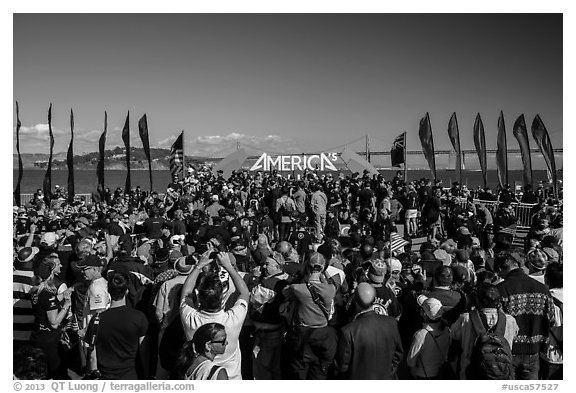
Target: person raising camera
(210, 307)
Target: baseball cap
(83, 220)
(377, 271)
(316, 262)
(475, 241)
(432, 307)
(537, 259)
(176, 238)
(552, 254)
(49, 239)
(450, 243)
(91, 261)
(464, 231)
(162, 255)
(443, 256)
(394, 264)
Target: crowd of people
(263, 276)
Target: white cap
(432, 307)
(393, 264)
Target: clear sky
(290, 83)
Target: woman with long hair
(197, 357)
(50, 304)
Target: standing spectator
(22, 284)
(453, 302)
(197, 359)
(120, 337)
(139, 275)
(428, 354)
(385, 301)
(367, 198)
(167, 314)
(178, 226)
(97, 300)
(153, 225)
(318, 203)
(431, 217)
(265, 301)
(311, 342)
(332, 228)
(285, 208)
(412, 204)
(51, 305)
(369, 347)
(210, 308)
(300, 199)
(528, 301)
(489, 313)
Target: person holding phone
(209, 290)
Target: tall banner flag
(70, 160)
(521, 135)
(177, 157)
(47, 185)
(100, 167)
(398, 151)
(126, 139)
(428, 143)
(18, 125)
(143, 130)
(454, 135)
(480, 144)
(502, 153)
(542, 138)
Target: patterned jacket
(531, 304)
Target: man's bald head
(364, 295)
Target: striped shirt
(23, 281)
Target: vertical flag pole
(183, 158)
(405, 154)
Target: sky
(283, 82)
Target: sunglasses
(223, 342)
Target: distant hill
(114, 159)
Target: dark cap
(162, 255)
(91, 261)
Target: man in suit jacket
(369, 347)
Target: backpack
(491, 356)
(287, 208)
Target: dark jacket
(369, 348)
(139, 277)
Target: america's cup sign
(322, 161)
